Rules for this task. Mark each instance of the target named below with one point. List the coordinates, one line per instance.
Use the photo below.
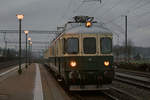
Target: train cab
(82, 56)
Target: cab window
(89, 45)
(72, 45)
(106, 45)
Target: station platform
(35, 83)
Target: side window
(106, 45)
(52, 50)
(89, 45)
(57, 48)
(63, 45)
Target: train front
(88, 59)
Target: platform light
(29, 38)
(20, 16)
(73, 63)
(30, 43)
(26, 31)
(106, 63)
(88, 24)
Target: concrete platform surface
(18, 87)
(51, 89)
(35, 83)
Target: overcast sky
(48, 14)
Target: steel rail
(137, 73)
(125, 93)
(139, 84)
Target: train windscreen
(72, 45)
(89, 45)
(106, 45)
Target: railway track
(92, 95)
(133, 81)
(8, 64)
(120, 94)
(111, 94)
(86, 95)
(131, 72)
(134, 78)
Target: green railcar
(82, 57)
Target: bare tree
(129, 50)
(120, 51)
(116, 52)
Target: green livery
(81, 56)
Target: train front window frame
(89, 45)
(106, 45)
(72, 45)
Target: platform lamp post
(29, 40)
(26, 33)
(30, 51)
(20, 18)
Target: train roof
(78, 28)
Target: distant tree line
(10, 53)
(132, 52)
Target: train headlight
(106, 63)
(88, 24)
(73, 63)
